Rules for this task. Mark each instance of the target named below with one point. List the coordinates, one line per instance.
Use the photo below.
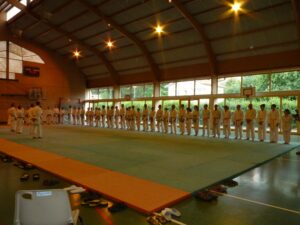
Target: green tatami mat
(187, 163)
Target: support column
(298, 107)
(116, 95)
(7, 59)
(214, 91)
(156, 93)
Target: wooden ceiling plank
(100, 55)
(154, 68)
(200, 29)
(296, 10)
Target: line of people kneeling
(131, 119)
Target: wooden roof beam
(154, 68)
(200, 29)
(296, 9)
(100, 55)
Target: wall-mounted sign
(31, 71)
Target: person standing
(250, 117)
(205, 118)
(182, 119)
(286, 123)
(133, 115)
(62, 115)
(12, 117)
(112, 108)
(92, 116)
(56, 115)
(238, 118)
(26, 120)
(49, 115)
(69, 113)
(151, 117)
(138, 119)
(103, 116)
(195, 116)
(109, 115)
(188, 120)
(216, 117)
(261, 120)
(128, 118)
(74, 109)
(30, 122)
(226, 121)
(97, 116)
(166, 120)
(159, 116)
(122, 117)
(20, 119)
(117, 115)
(173, 119)
(37, 113)
(145, 118)
(273, 122)
(78, 116)
(82, 114)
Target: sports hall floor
(267, 194)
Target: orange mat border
(142, 195)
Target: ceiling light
(236, 7)
(109, 44)
(76, 54)
(159, 29)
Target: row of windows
(16, 56)
(14, 10)
(282, 81)
(100, 93)
(137, 91)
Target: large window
(149, 90)
(17, 55)
(2, 59)
(168, 89)
(137, 91)
(261, 82)
(186, 88)
(100, 93)
(229, 85)
(285, 81)
(137, 104)
(14, 10)
(203, 87)
(290, 102)
(125, 90)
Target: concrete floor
(267, 195)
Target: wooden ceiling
(197, 32)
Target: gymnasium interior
(90, 54)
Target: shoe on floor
(50, 182)
(172, 211)
(36, 176)
(206, 196)
(219, 189)
(117, 207)
(24, 177)
(230, 183)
